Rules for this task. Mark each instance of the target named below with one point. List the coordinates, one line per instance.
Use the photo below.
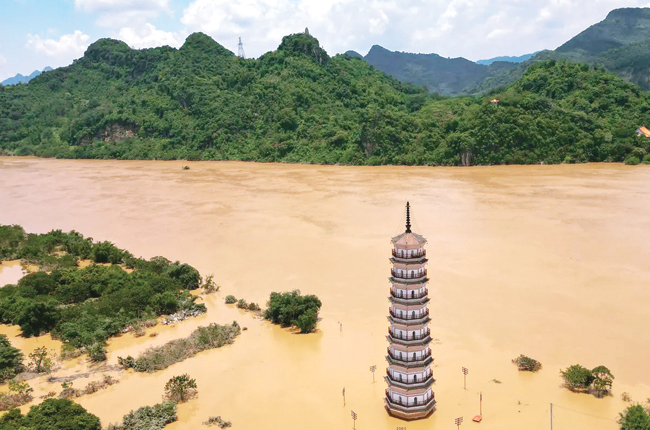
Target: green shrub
(527, 364)
(632, 160)
(148, 418)
(241, 304)
(231, 299)
(577, 378)
(180, 388)
(634, 418)
(293, 309)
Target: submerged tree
(180, 388)
(577, 377)
(603, 380)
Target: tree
(180, 388)
(528, 364)
(52, 414)
(307, 321)
(37, 317)
(603, 380)
(11, 359)
(40, 360)
(634, 418)
(287, 308)
(577, 378)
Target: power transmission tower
(240, 52)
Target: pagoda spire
(408, 217)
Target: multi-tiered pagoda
(409, 395)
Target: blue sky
(39, 33)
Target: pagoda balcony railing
(408, 275)
(407, 357)
(407, 319)
(409, 362)
(415, 384)
(407, 315)
(411, 295)
(410, 407)
(420, 339)
(403, 255)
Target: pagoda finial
(408, 217)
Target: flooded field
(548, 261)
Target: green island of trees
(599, 380)
(297, 104)
(635, 417)
(84, 307)
(60, 414)
(291, 308)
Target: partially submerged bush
(180, 388)
(161, 357)
(293, 309)
(635, 417)
(577, 378)
(19, 394)
(217, 421)
(148, 418)
(527, 364)
(230, 299)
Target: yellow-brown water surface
(548, 261)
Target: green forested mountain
(446, 76)
(297, 104)
(619, 43)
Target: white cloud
(3, 60)
(69, 45)
(468, 28)
(116, 13)
(148, 36)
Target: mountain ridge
(298, 104)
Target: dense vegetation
(635, 417)
(161, 357)
(578, 378)
(11, 359)
(292, 308)
(296, 104)
(84, 307)
(52, 414)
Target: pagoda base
(409, 413)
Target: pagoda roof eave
(409, 239)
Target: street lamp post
(372, 369)
(458, 422)
(354, 419)
(465, 372)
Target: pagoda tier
(409, 395)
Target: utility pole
(551, 416)
(240, 50)
(343, 396)
(372, 369)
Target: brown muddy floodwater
(548, 261)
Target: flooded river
(548, 261)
